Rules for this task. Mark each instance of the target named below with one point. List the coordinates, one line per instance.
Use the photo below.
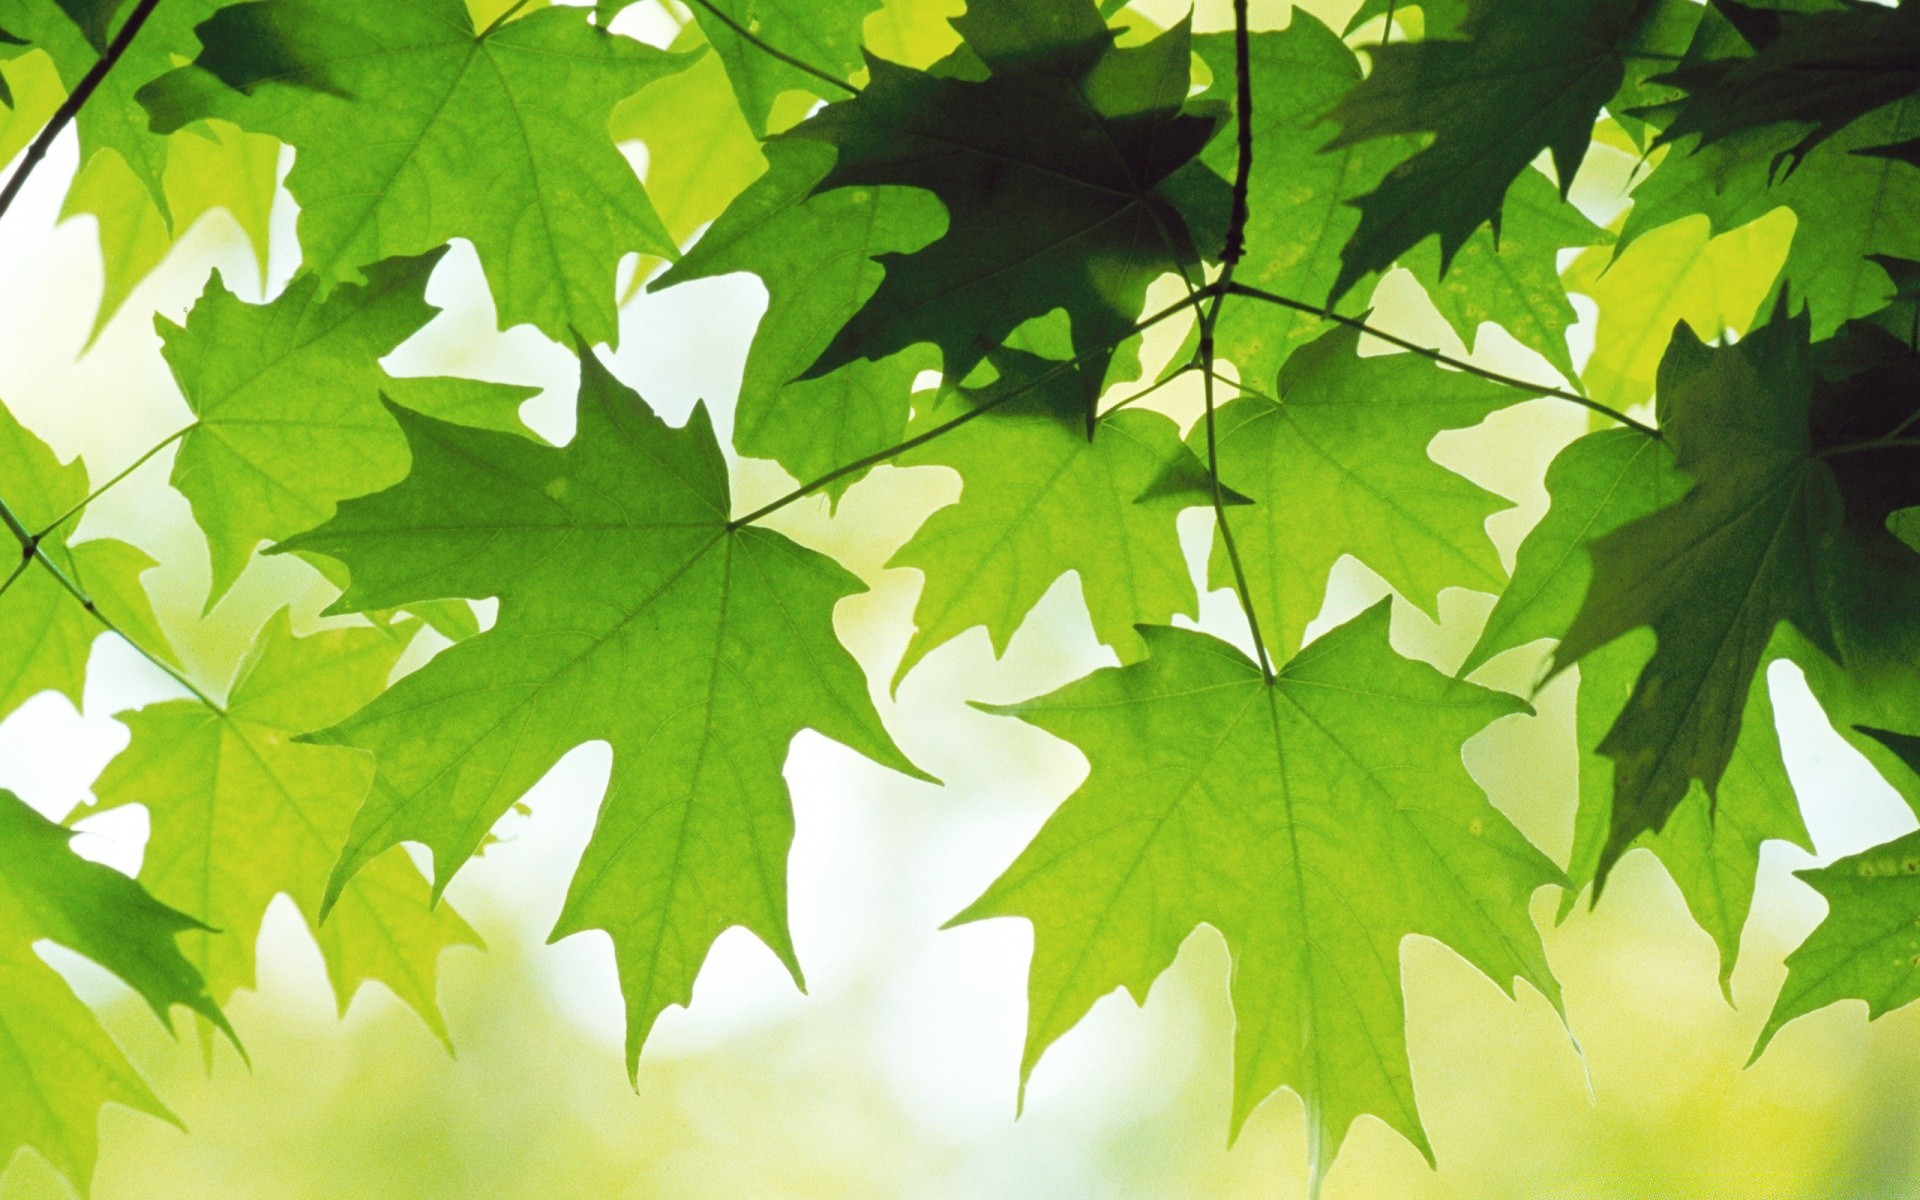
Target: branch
(71, 106)
(100, 491)
(891, 452)
(31, 551)
(753, 39)
(1230, 254)
(1538, 389)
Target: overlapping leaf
(1059, 172)
(242, 813)
(1528, 76)
(113, 118)
(1851, 206)
(1337, 464)
(57, 1065)
(816, 253)
(410, 128)
(1710, 845)
(630, 611)
(45, 631)
(1315, 821)
(287, 403)
(1788, 499)
(1823, 69)
(1038, 499)
(1299, 215)
(1868, 947)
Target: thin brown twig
(1232, 250)
(75, 101)
(1458, 364)
(798, 64)
(894, 451)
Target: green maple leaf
(1442, 18)
(700, 153)
(57, 1065)
(286, 396)
(824, 34)
(1338, 465)
(113, 118)
(1315, 821)
(45, 633)
(1851, 206)
(1710, 845)
(211, 166)
(242, 813)
(1786, 517)
(1540, 69)
(1299, 215)
(410, 128)
(816, 252)
(1038, 499)
(1868, 946)
(630, 611)
(1596, 485)
(1823, 69)
(1679, 272)
(1512, 281)
(1060, 171)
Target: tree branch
(891, 452)
(753, 39)
(1230, 254)
(71, 106)
(1538, 389)
(31, 551)
(100, 491)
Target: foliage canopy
(1012, 213)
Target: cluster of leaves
(998, 213)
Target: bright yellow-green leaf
(57, 1066)
(242, 812)
(1676, 273)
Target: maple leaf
(410, 128)
(815, 252)
(825, 34)
(1337, 464)
(1789, 493)
(1038, 499)
(242, 813)
(1299, 215)
(1543, 66)
(45, 633)
(286, 396)
(211, 166)
(1711, 844)
(60, 1066)
(1597, 484)
(1851, 205)
(1315, 821)
(1058, 174)
(72, 32)
(1823, 69)
(1442, 18)
(700, 153)
(1512, 281)
(1868, 946)
(1678, 272)
(630, 611)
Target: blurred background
(895, 1075)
